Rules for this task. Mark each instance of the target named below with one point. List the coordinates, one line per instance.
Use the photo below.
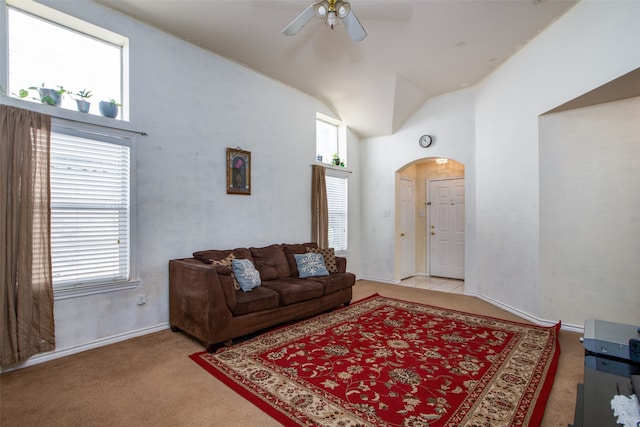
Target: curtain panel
(319, 207)
(26, 299)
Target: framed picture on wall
(238, 171)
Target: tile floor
(435, 284)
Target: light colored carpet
(151, 381)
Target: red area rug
(386, 362)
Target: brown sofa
(205, 303)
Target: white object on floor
(627, 409)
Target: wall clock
(425, 141)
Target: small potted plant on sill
(48, 95)
(22, 93)
(336, 160)
(82, 103)
(109, 108)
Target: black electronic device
(634, 350)
(608, 338)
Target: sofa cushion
(291, 249)
(335, 282)
(329, 256)
(271, 262)
(218, 254)
(246, 274)
(258, 299)
(294, 290)
(310, 265)
(227, 262)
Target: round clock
(425, 141)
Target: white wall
(590, 212)
(194, 104)
(493, 130)
(592, 44)
(355, 213)
(450, 120)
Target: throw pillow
(246, 274)
(227, 263)
(329, 257)
(311, 265)
(289, 250)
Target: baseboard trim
(57, 354)
(538, 321)
(378, 279)
(525, 315)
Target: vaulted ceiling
(414, 49)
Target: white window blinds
(338, 211)
(90, 210)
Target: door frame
(412, 224)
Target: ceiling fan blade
(300, 21)
(354, 27)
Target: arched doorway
(414, 216)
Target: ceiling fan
(330, 11)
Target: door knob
(433, 234)
(401, 234)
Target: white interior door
(446, 227)
(407, 228)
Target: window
(51, 49)
(90, 209)
(337, 201)
(328, 140)
(327, 145)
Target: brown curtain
(26, 299)
(319, 207)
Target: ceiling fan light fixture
(331, 11)
(342, 8)
(321, 9)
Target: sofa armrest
(341, 263)
(226, 281)
(197, 302)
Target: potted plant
(22, 93)
(109, 108)
(82, 103)
(336, 159)
(50, 96)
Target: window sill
(93, 289)
(65, 113)
(333, 167)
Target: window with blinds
(90, 209)
(338, 210)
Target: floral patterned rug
(387, 362)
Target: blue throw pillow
(311, 265)
(246, 274)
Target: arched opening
(430, 222)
